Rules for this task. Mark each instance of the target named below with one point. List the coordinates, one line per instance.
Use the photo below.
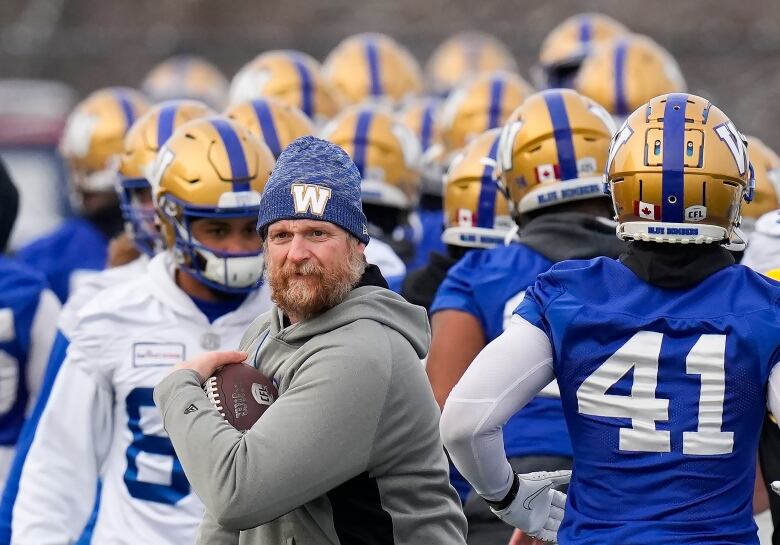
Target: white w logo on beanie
(310, 198)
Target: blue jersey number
(641, 352)
(154, 472)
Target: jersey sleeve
(503, 378)
(536, 300)
(42, 335)
(59, 476)
(457, 291)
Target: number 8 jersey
(100, 421)
(664, 393)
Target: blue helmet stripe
(307, 87)
(360, 142)
(427, 127)
(621, 50)
(496, 96)
(372, 56)
(267, 125)
(486, 208)
(673, 175)
(165, 124)
(586, 29)
(238, 168)
(127, 108)
(567, 160)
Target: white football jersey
(101, 421)
(763, 250)
(382, 255)
(85, 286)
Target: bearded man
(350, 452)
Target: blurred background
(728, 51)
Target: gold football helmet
(141, 144)
(464, 55)
(291, 76)
(94, 133)
(567, 45)
(420, 116)
(678, 170)
(186, 76)
(386, 153)
(481, 104)
(272, 120)
(372, 66)
(211, 167)
(553, 150)
(625, 73)
(766, 171)
(774, 274)
(476, 212)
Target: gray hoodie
(350, 453)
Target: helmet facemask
(138, 212)
(228, 272)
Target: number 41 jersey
(664, 393)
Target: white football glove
(775, 487)
(537, 508)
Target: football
(241, 394)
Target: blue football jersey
(489, 284)
(432, 227)
(26, 436)
(20, 292)
(75, 245)
(664, 393)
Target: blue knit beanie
(314, 179)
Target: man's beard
(308, 289)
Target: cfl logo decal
(310, 198)
(735, 142)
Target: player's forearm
(456, 341)
(503, 378)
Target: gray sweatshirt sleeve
(211, 533)
(317, 435)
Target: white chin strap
(738, 241)
(232, 272)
